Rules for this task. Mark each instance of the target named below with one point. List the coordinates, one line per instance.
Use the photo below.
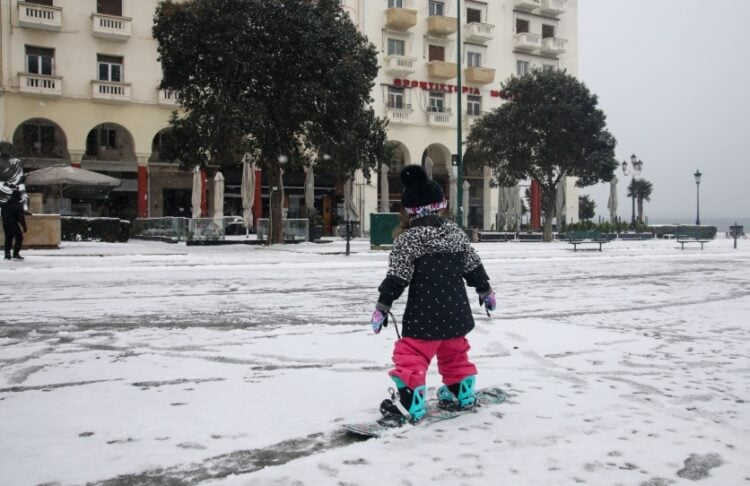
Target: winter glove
(379, 320)
(487, 299)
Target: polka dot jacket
(433, 257)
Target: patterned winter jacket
(433, 257)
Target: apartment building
(80, 86)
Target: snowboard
(485, 396)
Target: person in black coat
(13, 222)
(433, 257)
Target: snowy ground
(151, 363)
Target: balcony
(526, 41)
(40, 84)
(441, 26)
(111, 27)
(441, 70)
(479, 75)
(553, 45)
(41, 17)
(527, 5)
(399, 65)
(439, 118)
(400, 18)
(399, 114)
(167, 97)
(478, 32)
(553, 8)
(110, 91)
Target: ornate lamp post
(697, 176)
(635, 169)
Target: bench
(577, 238)
(495, 236)
(687, 238)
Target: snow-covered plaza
(152, 363)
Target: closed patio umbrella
(219, 196)
(309, 188)
(560, 204)
(612, 202)
(465, 204)
(384, 189)
(247, 190)
(195, 200)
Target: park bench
(688, 238)
(577, 238)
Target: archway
(40, 142)
(400, 157)
(441, 166)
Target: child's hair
(405, 218)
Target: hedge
(109, 230)
(703, 232)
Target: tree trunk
(275, 234)
(549, 197)
(639, 202)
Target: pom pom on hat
(419, 190)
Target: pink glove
(379, 320)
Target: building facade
(80, 86)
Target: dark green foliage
(586, 207)
(109, 230)
(549, 127)
(700, 232)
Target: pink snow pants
(412, 358)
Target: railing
(111, 27)
(292, 229)
(439, 118)
(398, 112)
(169, 228)
(40, 84)
(527, 41)
(527, 4)
(36, 16)
(399, 64)
(554, 7)
(168, 97)
(110, 91)
(206, 229)
(478, 32)
(554, 45)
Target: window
(110, 68)
(39, 60)
(395, 47)
(548, 67)
(522, 67)
(522, 25)
(473, 105)
(39, 140)
(396, 98)
(101, 138)
(109, 7)
(437, 8)
(437, 102)
(474, 59)
(473, 15)
(436, 53)
(548, 31)
(395, 3)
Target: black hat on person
(419, 190)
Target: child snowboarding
(432, 256)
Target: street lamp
(635, 169)
(697, 176)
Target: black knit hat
(419, 190)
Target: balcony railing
(110, 91)
(111, 27)
(553, 7)
(40, 84)
(42, 17)
(398, 113)
(478, 32)
(527, 4)
(553, 45)
(439, 25)
(526, 41)
(167, 97)
(400, 18)
(441, 70)
(479, 75)
(439, 118)
(396, 65)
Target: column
(141, 205)
(75, 157)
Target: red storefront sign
(448, 88)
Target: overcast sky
(673, 77)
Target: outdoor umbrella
(197, 192)
(465, 204)
(309, 188)
(453, 202)
(247, 190)
(384, 189)
(428, 165)
(560, 203)
(69, 178)
(516, 209)
(503, 205)
(219, 196)
(349, 206)
(612, 203)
